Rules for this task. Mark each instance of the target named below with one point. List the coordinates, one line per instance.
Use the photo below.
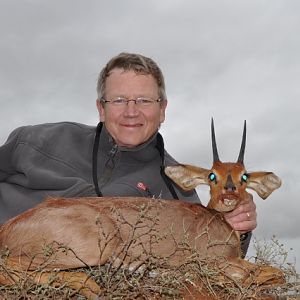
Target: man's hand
(243, 218)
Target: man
(123, 156)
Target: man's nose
(131, 108)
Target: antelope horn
(242, 150)
(213, 140)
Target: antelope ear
(187, 176)
(264, 183)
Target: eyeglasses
(140, 101)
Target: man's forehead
(129, 79)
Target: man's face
(131, 125)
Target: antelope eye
(244, 177)
(212, 177)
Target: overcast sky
(233, 60)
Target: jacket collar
(143, 152)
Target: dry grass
(154, 279)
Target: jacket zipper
(110, 163)
(109, 167)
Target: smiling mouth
(132, 125)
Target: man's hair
(132, 62)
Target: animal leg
(11, 274)
(79, 281)
(248, 273)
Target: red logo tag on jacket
(141, 186)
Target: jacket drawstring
(95, 159)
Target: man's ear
(264, 183)
(100, 107)
(187, 176)
(162, 112)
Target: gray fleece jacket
(56, 160)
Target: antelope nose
(229, 186)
